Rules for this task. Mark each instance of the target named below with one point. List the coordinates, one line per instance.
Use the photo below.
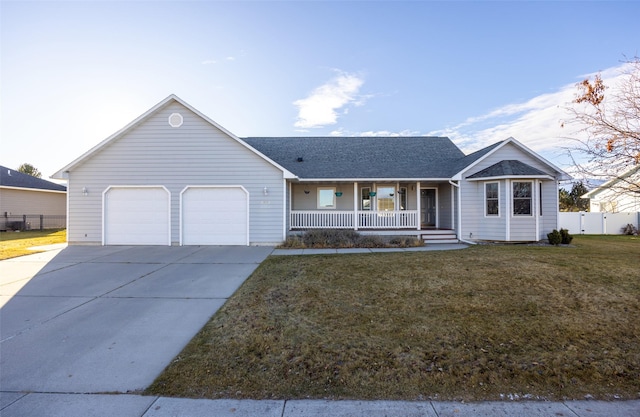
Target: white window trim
(532, 207)
(394, 198)
(492, 216)
(403, 195)
(362, 199)
(333, 193)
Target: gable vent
(175, 120)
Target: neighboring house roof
(613, 184)
(347, 158)
(508, 168)
(15, 179)
(62, 173)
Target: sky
(73, 73)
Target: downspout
(468, 242)
(68, 205)
(558, 205)
(286, 216)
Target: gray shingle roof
(13, 178)
(510, 168)
(472, 157)
(362, 157)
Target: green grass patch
(14, 244)
(474, 324)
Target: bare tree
(608, 118)
(29, 170)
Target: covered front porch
(371, 205)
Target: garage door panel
(136, 216)
(214, 216)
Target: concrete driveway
(109, 319)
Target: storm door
(428, 207)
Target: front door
(428, 207)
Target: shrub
(405, 242)
(566, 237)
(630, 230)
(293, 242)
(331, 238)
(555, 238)
(371, 241)
(336, 238)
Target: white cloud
(375, 133)
(229, 58)
(320, 107)
(537, 123)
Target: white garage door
(137, 216)
(215, 216)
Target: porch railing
(316, 219)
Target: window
(540, 197)
(366, 198)
(403, 198)
(491, 196)
(326, 197)
(386, 198)
(522, 197)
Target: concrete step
(437, 241)
(439, 236)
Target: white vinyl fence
(582, 223)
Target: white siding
(196, 153)
(444, 206)
(477, 226)
(549, 219)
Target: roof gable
(508, 168)
(491, 149)
(17, 179)
(61, 174)
(348, 158)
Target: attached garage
(135, 215)
(214, 215)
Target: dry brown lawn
(487, 322)
(13, 244)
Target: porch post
(355, 205)
(419, 218)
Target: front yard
(488, 322)
(13, 244)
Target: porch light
(338, 193)
(306, 191)
(265, 191)
(372, 193)
(85, 191)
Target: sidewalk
(93, 405)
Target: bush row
(336, 238)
